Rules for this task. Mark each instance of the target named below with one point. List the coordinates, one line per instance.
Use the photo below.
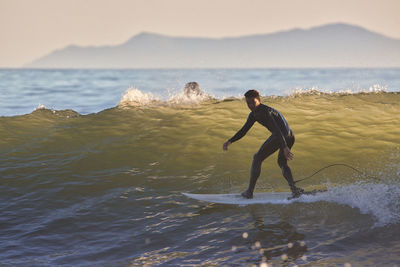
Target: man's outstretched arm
(242, 132)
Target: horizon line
(199, 68)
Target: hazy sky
(31, 28)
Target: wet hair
(252, 94)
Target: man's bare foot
(247, 194)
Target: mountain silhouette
(332, 45)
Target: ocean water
(93, 164)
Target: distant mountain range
(333, 45)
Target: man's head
(252, 99)
(192, 88)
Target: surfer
(282, 138)
(192, 89)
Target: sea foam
(135, 97)
(315, 90)
(378, 199)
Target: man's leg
(268, 148)
(286, 171)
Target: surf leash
(336, 164)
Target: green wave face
(185, 141)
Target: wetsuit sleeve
(276, 130)
(246, 127)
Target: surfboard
(258, 198)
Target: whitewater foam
(315, 90)
(380, 200)
(39, 107)
(182, 98)
(135, 97)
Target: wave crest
(133, 97)
(374, 89)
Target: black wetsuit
(281, 137)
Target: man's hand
(288, 154)
(225, 145)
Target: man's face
(252, 103)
